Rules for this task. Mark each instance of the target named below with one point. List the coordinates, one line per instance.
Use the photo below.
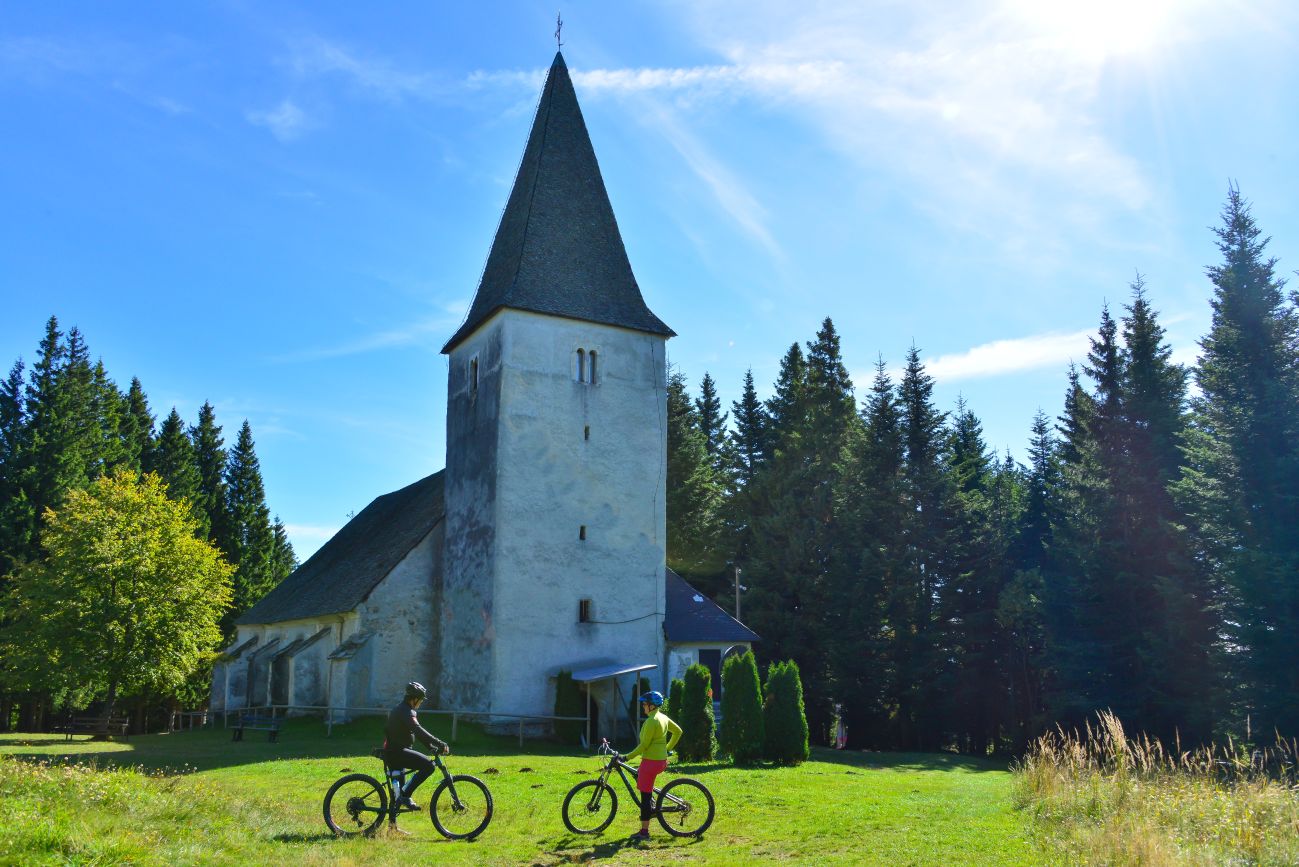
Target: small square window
(584, 611)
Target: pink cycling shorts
(649, 769)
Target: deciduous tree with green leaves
(127, 600)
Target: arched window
(580, 372)
(591, 369)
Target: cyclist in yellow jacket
(658, 736)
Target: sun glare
(1098, 27)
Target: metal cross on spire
(559, 28)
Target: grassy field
(196, 797)
(1107, 798)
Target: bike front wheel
(589, 807)
(356, 804)
(461, 808)
(684, 808)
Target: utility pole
(737, 592)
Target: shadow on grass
(299, 738)
(566, 846)
(860, 759)
(304, 838)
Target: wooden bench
(95, 725)
(257, 723)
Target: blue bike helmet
(653, 697)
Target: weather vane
(559, 27)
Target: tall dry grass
(1102, 797)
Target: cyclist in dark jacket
(402, 729)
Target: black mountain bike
(460, 808)
(684, 807)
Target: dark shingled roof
(693, 617)
(558, 250)
(343, 572)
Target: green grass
(196, 797)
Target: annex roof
(603, 670)
(558, 250)
(693, 617)
(340, 575)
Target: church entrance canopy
(607, 670)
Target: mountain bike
(460, 808)
(684, 807)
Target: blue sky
(285, 209)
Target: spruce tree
(926, 489)
(741, 735)
(175, 463)
(210, 502)
(712, 423)
(136, 430)
(254, 540)
(694, 491)
(699, 739)
(794, 532)
(871, 603)
(16, 520)
(749, 439)
(1243, 467)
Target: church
(541, 548)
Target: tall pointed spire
(558, 250)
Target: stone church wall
(402, 614)
(580, 504)
(473, 409)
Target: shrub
(699, 742)
(785, 741)
(633, 704)
(568, 702)
(675, 691)
(741, 736)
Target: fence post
(520, 733)
(329, 722)
(455, 721)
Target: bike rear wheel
(684, 808)
(589, 807)
(355, 804)
(461, 807)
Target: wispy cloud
(1016, 355)
(315, 56)
(731, 193)
(285, 121)
(415, 332)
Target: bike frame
(617, 764)
(394, 792)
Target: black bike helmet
(416, 690)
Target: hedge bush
(785, 741)
(699, 742)
(741, 735)
(568, 702)
(675, 692)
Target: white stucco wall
(402, 613)
(548, 480)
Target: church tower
(556, 441)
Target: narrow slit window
(590, 372)
(581, 533)
(586, 432)
(581, 366)
(473, 376)
(584, 611)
